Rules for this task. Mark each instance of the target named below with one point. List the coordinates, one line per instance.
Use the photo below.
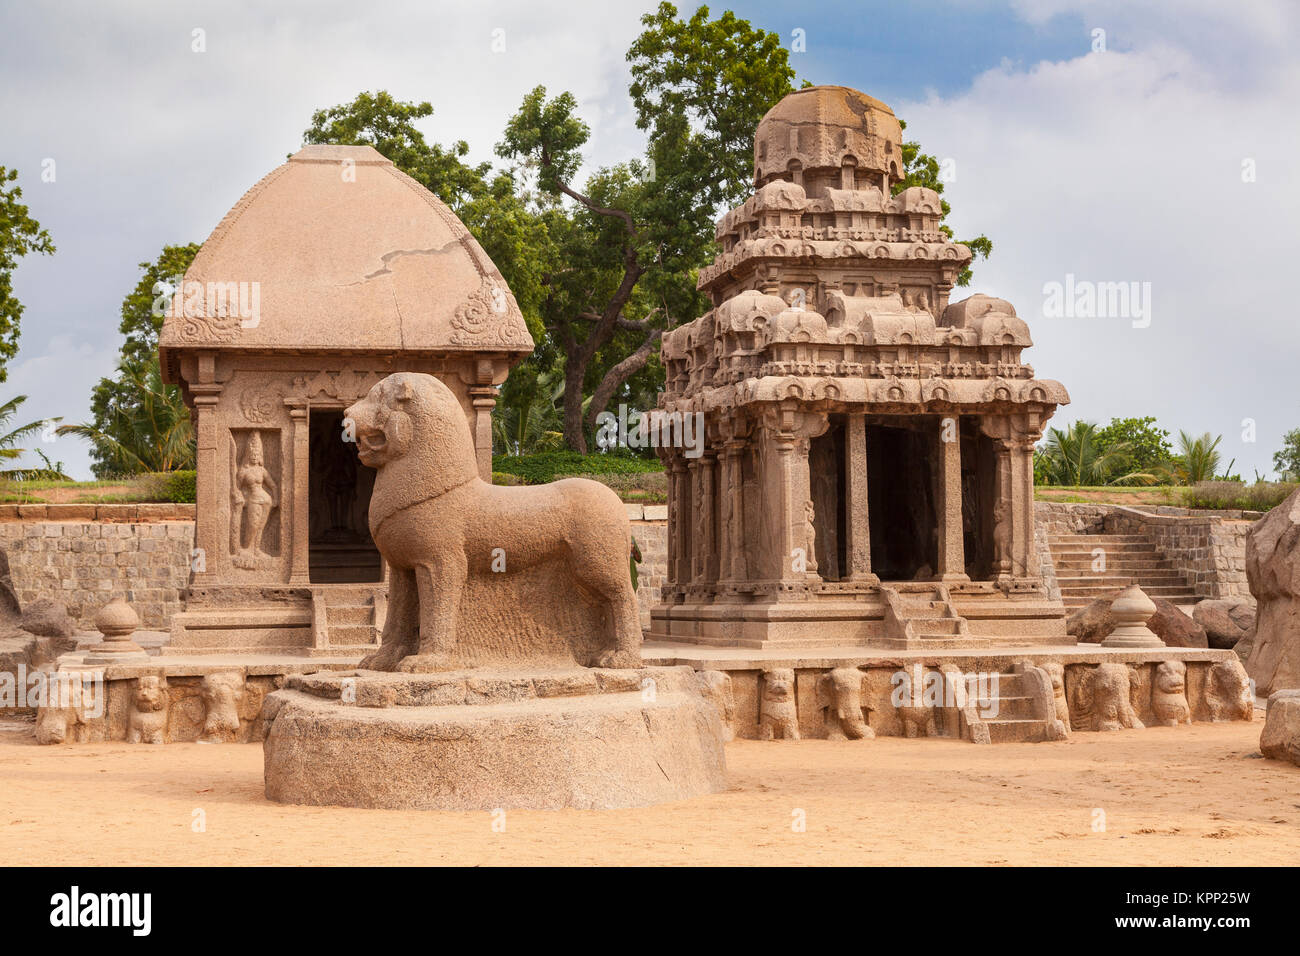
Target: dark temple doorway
(901, 473)
(340, 549)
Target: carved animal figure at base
(436, 523)
(778, 718)
(1169, 694)
(147, 723)
(918, 720)
(839, 693)
(1102, 699)
(221, 696)
(716, 687)
(1228, 692)
(1056, 671)
(73, 711)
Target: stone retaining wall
(1209, 548)
(650, 529)
(84, 555)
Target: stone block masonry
(84, 559)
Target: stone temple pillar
(212, 527)
(1022, 506)
(952, 551)
(706, 548)
(484, 399)
(299, 572)
(786, 435)
(678, 517)
(857, 519)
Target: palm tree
(9, 450)
(150, 431)
(1072, 457)
(1197, 459)
(532, 425)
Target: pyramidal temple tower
(867, 472)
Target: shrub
(547, 466)
(1231, 495)
(174, 486)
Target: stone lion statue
(439, 527)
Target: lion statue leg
(439, 584)
(613, 586)
(402, 626)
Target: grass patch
(175, 487)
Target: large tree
(518, 230)
(136, 422)
(1287, 460)
(641, 228)
(20, 235)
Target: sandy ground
(1192, 795)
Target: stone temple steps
(1129, 559)
(346, 619)
(921, 615)
(1011, 714)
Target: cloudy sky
(1107, 141)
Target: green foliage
(1287, 460)
(699, 87)
(1074, 457)
(179, 486)
(633, 559)
(548, 466)
(633, 237)
(140, 424)
(1138, 443)
(1197, 459)
(922, 169)
(137, 423)
(387, 124)
(11, 435)
(527, 421)
(1233, 495)
(20, 235)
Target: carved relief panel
(256, 488)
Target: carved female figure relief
(810, 532)
(253, 496)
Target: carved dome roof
(337, 250)
(819, 126)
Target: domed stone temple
(866, 477)
(333, 272)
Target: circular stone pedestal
(482, 740)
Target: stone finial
(1131, 611)
(116, 622)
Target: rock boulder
(1273, 570)
(1093, 623)
(1280, 739)
(48, 618)
(1226, 621)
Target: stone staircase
(347, 619)
(920, 614)
(1015, 706)
(1129, 559)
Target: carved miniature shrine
(867, 473)
(333, 272)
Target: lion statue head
(413, 431)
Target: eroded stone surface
(1280, 738)
(493, 740)
(1273, 569)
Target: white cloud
(1127, 166)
